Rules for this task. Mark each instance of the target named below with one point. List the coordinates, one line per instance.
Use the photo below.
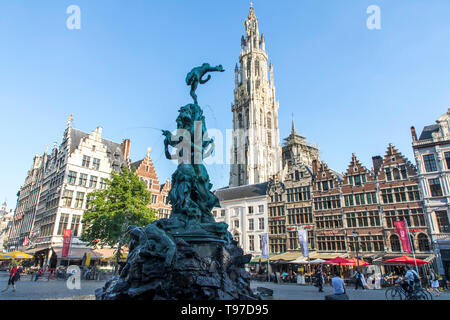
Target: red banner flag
(400, 227)
(67, 234)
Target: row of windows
(329, 222)
(298, 194)
(277, 227)
(400, 194)
(363, 219)
(366, 243)
(422, 239)
(276, 211)
(67, 199)
(356, 180)
(360, 199)
(300, 215)
(82, 181)
(325, 185)
(293, 240)
(331, 243)
(87, 161)
(413, 217)
(396, 173)
(324, 203)
(75, 225)
(429, 162)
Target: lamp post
(355, 237)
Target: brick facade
(146, 172)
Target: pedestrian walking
(19, 272)
(359, 281)
(435, 284)
(12, 278)
(319, 279)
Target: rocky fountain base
(164, 266)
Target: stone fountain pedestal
(195, 270)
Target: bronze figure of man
(194, 77)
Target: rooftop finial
(149, 150)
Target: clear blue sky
(351, 90)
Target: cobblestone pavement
(45, 290)
(57, 290)
(291, 291)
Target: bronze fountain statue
(189, 256)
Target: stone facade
(6, 218)
(401, 200)
(256, 149)
(64, 178)
(327, 210)
(432, 155)
(362, 212)
(244, 209)
(290, 200)
(27, 202)
(146, 172)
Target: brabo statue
(190, 255)
(194, 77)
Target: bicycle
(398, 293)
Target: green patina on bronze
(191, 197)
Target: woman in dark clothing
(319, 279)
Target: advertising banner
(264, 245)
(303, 242)
(67, 237)
(400, 227)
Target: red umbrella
(407, 260)
(339, 261)
(354, 262)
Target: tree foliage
(124, 202)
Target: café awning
(77, 253)
(326, 256)
(287, 256)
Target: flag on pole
(264, 245)
(67, 235)
(303, 241)
(26, 241)
(400, 227)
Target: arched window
(240, 121)
(424, 244)
(257, 67)
(395, 243)
(411, 243)
(396, 173)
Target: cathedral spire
(293, 125)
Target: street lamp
(355, 237)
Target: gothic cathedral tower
(256, 150)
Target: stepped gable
(355, 167)
(392, 159)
